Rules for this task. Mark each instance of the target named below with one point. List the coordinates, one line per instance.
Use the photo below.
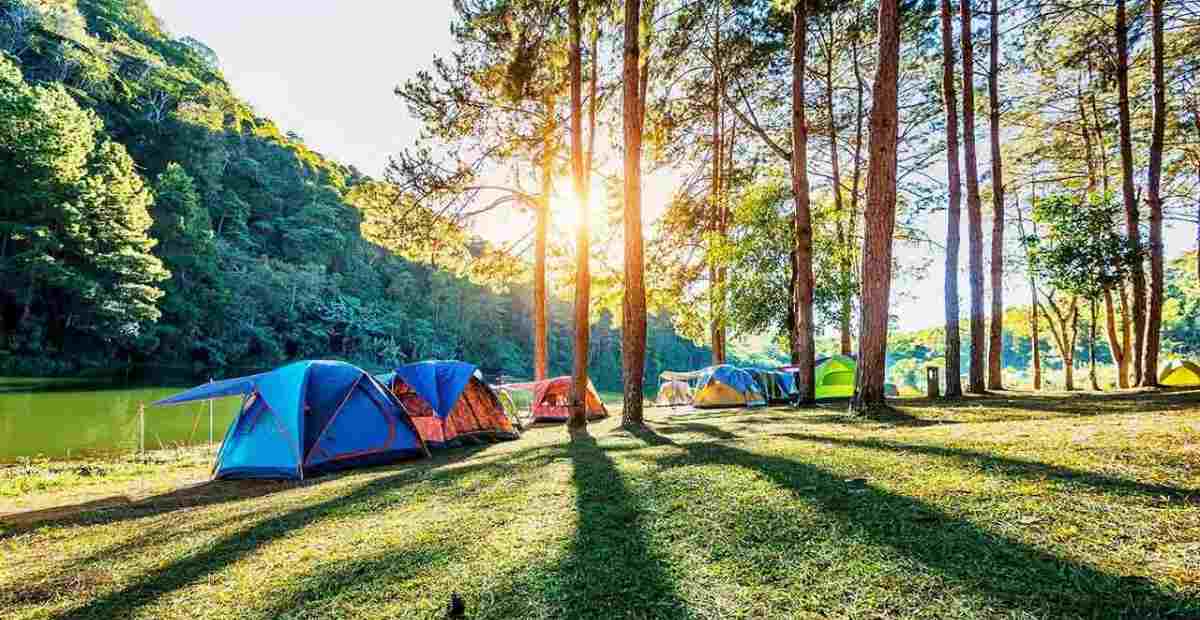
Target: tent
(449, 403)
(673, 393)
(835, 377)
(551, 396)
(1180, 373)
(307, 418)
(777, 387)
(727, 386)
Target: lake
(62, 418)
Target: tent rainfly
(1180, 373)
(308, 418)
(727, 386)
(449, 403)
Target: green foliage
(124, 155)
(1075, 248)
(74, 219)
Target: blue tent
(440, 383)
(727, 386)
(449, 403)
(307, 418)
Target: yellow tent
(1180, 373)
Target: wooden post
(932, 384)
(141, 428)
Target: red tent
(550, 398)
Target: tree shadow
(120, 508)
(610, 568)
(1007, 571)
(235, 546)
(370, 575)
(1012, 404)
(1017, 468)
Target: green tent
(835, 377)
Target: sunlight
(564, 208)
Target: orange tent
(448, 403)
(550, 399)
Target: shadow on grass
(369, 577)
(368, 497)
(120, 508)
(1010, 404)
(1017, 468)
(611, 568)
(1009, 572)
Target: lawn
(1009, 506)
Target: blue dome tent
(308, 418)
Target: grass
(1008, 506)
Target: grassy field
(1010, 506)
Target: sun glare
(564, 209)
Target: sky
(326, 71)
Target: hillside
(151, 217)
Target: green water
(61, 418)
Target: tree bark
(577, 421)
(633, 329)
(953, 210)
(1153, 189)
(717, 293)
(803, 340)
(1118, 348)
(975, 381)
(1036, 335)
(1092, 350)
(844, 262)
(880, 218)
(996, 340)
(856, 174)
(541, 230)
(1132, 216)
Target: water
(62, 418)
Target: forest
(152, 218)
(148, 216)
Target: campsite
(575, 309)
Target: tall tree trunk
(1132, 229)
(542, 227)
(856, 174)
(1092, 349)
(996, 341)
(1036, 335)
(1119, 349)
(717, 293)
(633, 329)
(577, 421)
(803, 340)
(975, 379)
(844, 263)
(880, 218)
(953, 211)
(1153, 190)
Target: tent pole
(210, 418)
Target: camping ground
(1007, 506)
